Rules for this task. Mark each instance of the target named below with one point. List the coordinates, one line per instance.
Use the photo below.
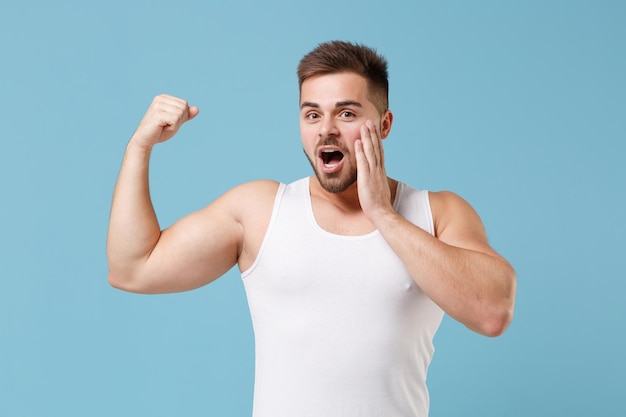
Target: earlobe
(385, 124)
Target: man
(348, 273)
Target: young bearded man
(348, 273)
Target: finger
(193, 112)
(369, 145)
(168, 114)
(169, 101)
(172, 104)
(362, 164)
(172, 112)
(377, 143)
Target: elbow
(116, 281)
(136, 281)
(497, 324)
(492, 324)
(502, 312)
(121, 281)
(124, 275)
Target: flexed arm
(141, 257)
(456, 268)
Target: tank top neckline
(315, 224)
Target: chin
(335, 184)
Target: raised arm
(195, 250)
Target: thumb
(193, 112)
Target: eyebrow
(337, 104)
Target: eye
(347, 114)
(311, 116)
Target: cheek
(351, 135)
(306, 134)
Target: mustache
(332, 141)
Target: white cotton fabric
(341, 329)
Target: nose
(328, 128)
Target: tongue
(334, 158)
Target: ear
(385, 124)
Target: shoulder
(447, 202)
(252, 204)
(262, 189)
(454, 218)
(250, 198)
(240, 203)
(444, 205)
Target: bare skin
(456, 268)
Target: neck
(347, 200)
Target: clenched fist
(164, 117)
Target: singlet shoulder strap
(277, 200)
(414, 205)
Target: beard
(336, 182)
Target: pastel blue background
(517, 106)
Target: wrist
(137, 145)
(382, 216)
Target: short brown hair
(339, 56)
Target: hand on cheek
(372, 182)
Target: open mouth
(331, 157)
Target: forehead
(332, 88)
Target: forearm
(474, 287)
(133, 226)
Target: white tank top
(341, 329)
